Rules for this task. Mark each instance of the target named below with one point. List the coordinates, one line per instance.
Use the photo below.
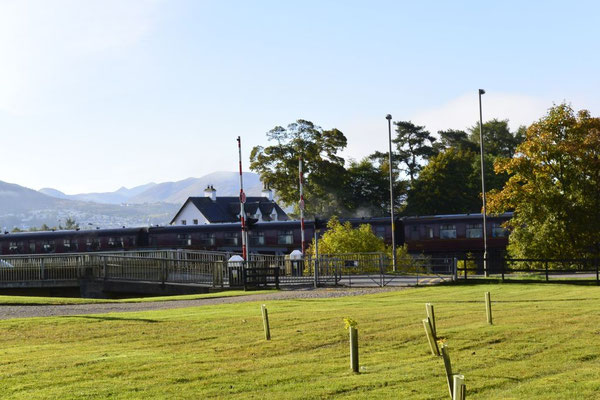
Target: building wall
(189, 214)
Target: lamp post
(485, 254)
(389, 119)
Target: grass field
(543, 345)
(33, 300)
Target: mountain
(226, 184)
(25, 208)
(117, 197)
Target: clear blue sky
(95, 95)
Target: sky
(99, 94)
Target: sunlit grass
(542, 345)
(33, 300)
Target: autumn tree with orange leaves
(554, 187)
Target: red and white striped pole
(242, 201)
(301, 205)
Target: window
(380, 232)
(32, 246)
(285, 237)
(92, 244)
(48, 246)
(231, 238)
(183, 222)
(184, 239)
(207, 239)
(474, 231)
(195, 222)
(429, 232)
(257, 238)
(67, 245)
(448, 232)
(115, 242)
(498, 230)
(16, 247)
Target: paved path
(28, 311)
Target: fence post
(265, 316)
(459, 390)
(503, 265)
(431, 316)
(448, 367)
(353, 348)
(488, 307)
(430, 337)
(276, 277)
(597, 276)
(455, 266)
(465, 267)
(546, 271)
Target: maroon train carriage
(73, 241)
(265, 238)
(456, 235)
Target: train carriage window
(115, 242)
(184, 239)
(429, 232)
(16, 247)
(380, 232)
(448, 231)
(92, 244)
(32, 246)
(48, 246)
(498, 230)
(257, 238)
(285, 237)
(474, 231)
(207, 239)
(67, 244)
(231, 238)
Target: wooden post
(546, 271)
(431, 316)
(448, 367)
(488, 307)
(459, 390)
(265, 316)
(430, 338)
(353, 348)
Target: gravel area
(29, 311)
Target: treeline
(548, 174)
(431, 175)
(70, 224)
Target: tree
(70, 224)
(448, 184)
(343, 238)
(554, 187)
(457, 139)
(278, 165)
(414, 144)
(499, 141)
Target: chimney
(210, 192)
(267, 192)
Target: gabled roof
(227, 209)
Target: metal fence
(545, 269)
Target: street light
(389, 119)
(485, 254)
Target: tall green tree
(277, 165)
(498, 140)
(448, 184)
(413, 145)
(554, 187)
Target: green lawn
(543, 345)
(33, 300)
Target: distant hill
(117, 197)
(24, 208)
(226, 183)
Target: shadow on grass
(491, 281)
(106, 318)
